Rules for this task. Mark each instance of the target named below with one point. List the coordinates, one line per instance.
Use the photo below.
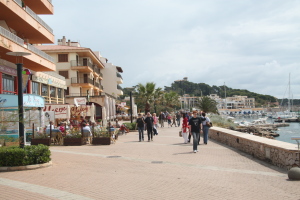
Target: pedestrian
(195, 126)
(149, 124)
(169, 120)
(205, 127)
(155, 124)
(185, 128)
(140, 125)
(161, 119)
(189, 116)
(173, 120)
(178, 116)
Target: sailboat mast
(289, 98)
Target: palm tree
(157, 97)
(207, 105)
(171, 99)
(145, 94)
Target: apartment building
(84, 70)
(20, 30)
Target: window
(64, 74)
(35, 88)
(62, 57)
(52, 92)
(59, 92)
(67, 91)
(44, 90)
(8, 84)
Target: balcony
(97, 72)
(82, 82)
(81, 66)
(119, 78)
(25, 22)
(40, 6)
(119, 87)
(37, 61)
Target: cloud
(251, 45)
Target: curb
(26, 167)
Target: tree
(208, 105)
(146, 93)
(171, 99)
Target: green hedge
(131, 126)
(15, 156)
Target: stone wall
(281, 154)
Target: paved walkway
(163, 169)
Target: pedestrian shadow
(182, 144)
(190, 152)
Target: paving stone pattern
(163, 169)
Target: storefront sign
(8, 70)
(50, 80)
(79, 101)
(29, 100)
(61, 111)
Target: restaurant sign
(29, 100)
(61, 110)
(8, 70)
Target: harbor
(267, 127)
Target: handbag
(180, 133)
(209, 124)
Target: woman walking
(169, 120)
(185, 128)
(205, 127)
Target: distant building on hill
(235, 102)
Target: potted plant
(101, 137)
(41, 139)
(73, 138)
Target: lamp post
(19, 64)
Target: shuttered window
(64, 74)
(62, 57)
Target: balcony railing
(97, 84)
(81, 80)
(96, 69)
(34, 15)
(119, 87)
(76, 63)
(119, 75)
(40, 53)
(81, 95)
(101, 75)
(20, 42)
(11, 36)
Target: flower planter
(73, 141)
(101, 141)
(37, 141)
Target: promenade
(163, 169)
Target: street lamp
(19, 64)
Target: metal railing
(81, 80)
(37, 18)
(11, 36)
(76, 63)
(96, 69)
(81, 95)
(119, 87)
(97, 84)
(34, 15)
(119, 75)
(19, 41)
(40, 53)
(101, 75)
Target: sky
(246, 44)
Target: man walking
(194, 124)
(161, 119)
(149, 124)
(140, 124)
(178, 116)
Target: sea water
(285, 133)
